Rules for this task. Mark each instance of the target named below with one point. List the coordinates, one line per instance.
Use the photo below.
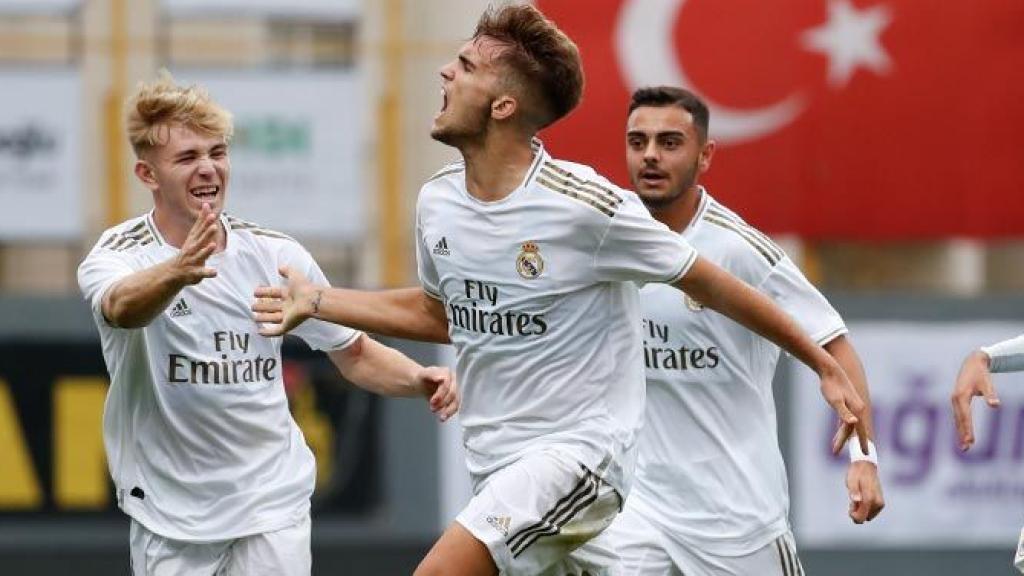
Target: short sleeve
(425, 264)
(636, 247)
(1006, 356)
(100, 270)
(318, 334)
(791, 290)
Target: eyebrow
(194, 151)
(659, 134)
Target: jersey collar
(702, 207)
(151, 224)
(539, 157)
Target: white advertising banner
(936, 495)
(38, 6)
(40, 163)
(320, 9)
(299, 149)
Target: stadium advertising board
(51, 406)
(40, 162)
(38, 6)
(299, 149)
(936, 495)
(903, 114)
(319, 9)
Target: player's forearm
(378, 368)
(844, 353)
(400, 313)
(136, 299)
(723, 292)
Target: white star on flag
(849, 39)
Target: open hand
(200, 243)
(278, 309)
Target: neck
(678, 214)
(497, 166)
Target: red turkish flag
(836, 119)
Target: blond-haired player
(204, 454)
(529, 265)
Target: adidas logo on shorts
(180, 309)
(500, 523)
(441, 248)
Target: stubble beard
(457, 136)
(656, 203)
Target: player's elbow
(120, 314)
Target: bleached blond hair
(159, 104)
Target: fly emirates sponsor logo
(659, 356)
(234, 365)
(481, 314)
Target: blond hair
(157, 105)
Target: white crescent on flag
(644, 45)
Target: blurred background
(876, 140)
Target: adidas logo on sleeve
(441, 248)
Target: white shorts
(284, 552)
(543, 515)
(645, 550)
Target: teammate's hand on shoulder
(281, 308)
(439, 386)
(190, 263)
(865, 489)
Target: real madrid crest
(529, 263)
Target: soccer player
(204, 454)
(529, 265)
(975, 379)
(710, 494)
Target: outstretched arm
(136, 299)
(386, 371)
(401, 313)
(721, 291)
(862, 483)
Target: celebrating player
(710, 495)
(205, 456)
(529, 265)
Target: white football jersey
(199, 440)
(542, 303)
(710, 472)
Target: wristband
(856, 455)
